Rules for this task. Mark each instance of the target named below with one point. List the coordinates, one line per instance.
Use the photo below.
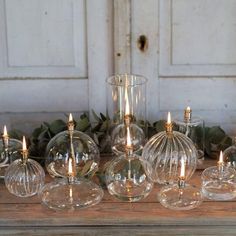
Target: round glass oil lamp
(126, 178)
(180, 195)
(219, 182)
(229, 155)
(10, 150)
(58, 152)
(193, 127)
(164, 152)
(126, 102)
(24, 177)
(71, 192)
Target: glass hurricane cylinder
(126, 97)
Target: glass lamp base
(81, 193)
(218, 185)
(176, 198)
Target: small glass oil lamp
(126, 178)
(219, 182)
(193, 127)
(10, 150)
(180, 196)
(71, 193)
(24, 177)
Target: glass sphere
(62, 195)
(230, 156)
(85, 150)
(176, 198)
(119, 136)
(126, 179)
(164, 152)
(9, 154)
(24, 178)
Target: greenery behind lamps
(126, 96)
(71, 192)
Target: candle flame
(5, 131)
(168, 118)
(24, 148)
(182, 170)
(128, 142)
(70, 118)
(71, 193)
(221, 159)
(70, 167)
(188, 109)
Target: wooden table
(19, 216)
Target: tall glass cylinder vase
(126, 106)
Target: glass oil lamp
(85, 151)
(126, 96)
(71, 192)
(126, 178)
(219, 182)
(24, 177)
(193, 127)
(9, 151)
(180, 195)
(164, 151)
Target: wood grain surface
(26, 216)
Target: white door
(186, 48)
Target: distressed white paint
(43, 38)
(122, 36)
(100, 61)
(197, 38)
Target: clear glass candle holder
(126, 97)
(126, 178)
(9, 153)
(219, 183)
(194, 128)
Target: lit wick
(129, 146)
(169, 125)
(221, 162)
(24, 150)
(5, 137)
(181, 181)
(70, 123)
(187, 114)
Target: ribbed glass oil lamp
(219, 182)
(126, 98)
(58, 152)
(70, 192)
(193, 127)
(126, 178)
(180, 195)
(24, 177)
(164, 152)
(10, 150)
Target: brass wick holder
(169, 127)
(181, 182)
(187, 115)
(24, 156)
(5, 141)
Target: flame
(188, 109)
(182, 170)
(128, 141)
(24, 148)
(70, 167)
(71, 193)
(169, 118)
(70, 118)
(221, 159)
(5, 131)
